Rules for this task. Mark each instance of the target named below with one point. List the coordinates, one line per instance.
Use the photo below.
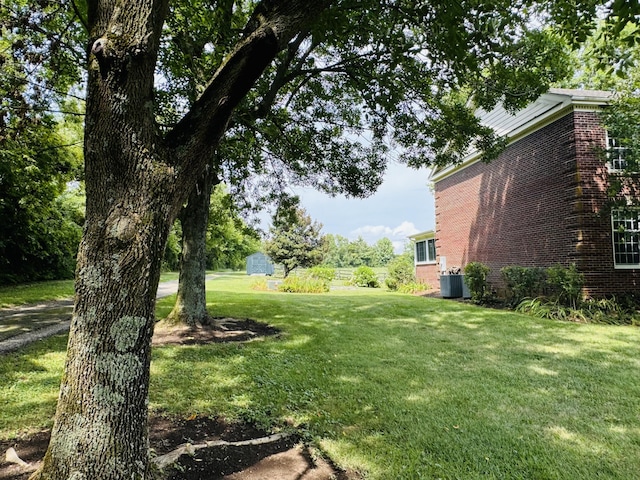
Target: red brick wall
(594, 246)
(533, 207)
(428, 273)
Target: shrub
(614, 310)
(391, 283)
(413, 287)
(322, 273)
(565, 284)
(603, 310)
(541, 308)
(400, 271)
(364, 276)
(475, 276)
(298, 284)
(523, 282)
(260, 284)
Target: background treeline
(41, 198)
(229, 238)
(42, 215)
(341, 253)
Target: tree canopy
(608, 60)
(229, 239)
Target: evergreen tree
(295, 240)
(383, 252)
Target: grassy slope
(395, 386)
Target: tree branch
(273, 24)
(281, 76)
(83, 20)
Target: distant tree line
(341, 252)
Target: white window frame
(615, 155)
(427, 251)
(625, 223)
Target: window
(616, 154)
(426, 251)
(626, 238)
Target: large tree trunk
(100, 428)
(191, 302)
(136, 182)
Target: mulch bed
(218, 330)
(165, 434)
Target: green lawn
(394, 386)
(12, 295)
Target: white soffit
(422, 235)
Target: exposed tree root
(189, 449)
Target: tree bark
(191, 303)
(136, 182)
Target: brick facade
(428, 273)
(539, 204)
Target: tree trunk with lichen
(191, 302)
(136, 182)
(100, 428)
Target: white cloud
(405, 229)
(398, 235)
(370, 231)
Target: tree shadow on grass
(452, 389)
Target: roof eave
(559, 101)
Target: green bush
(523, 282)
(414, 287)
(364, 276)
(604, 310)
(565, 284)
(400, 271)
(328, 274)
(475, 276)
(299, 284)
(541, 308)
(391, 283)
(622, 310)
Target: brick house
(540, 203)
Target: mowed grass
(394, 386)
(12, 295)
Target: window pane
(616, 155)
(626, 237)
(431, 244)
(421, 251)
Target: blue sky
(402, 206)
